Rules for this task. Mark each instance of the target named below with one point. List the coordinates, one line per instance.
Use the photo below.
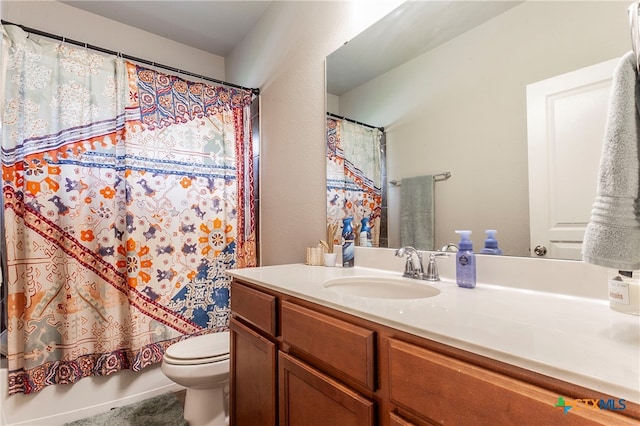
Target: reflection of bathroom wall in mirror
(461, 106)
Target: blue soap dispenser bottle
(491, 243)
(465, 261)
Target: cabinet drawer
(338, 345)
(448, 391)
(256, 307)
(310, 398)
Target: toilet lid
(211, 347)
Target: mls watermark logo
(590, 404)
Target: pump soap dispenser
(491, 244)
(465, 261)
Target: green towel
(417, 212)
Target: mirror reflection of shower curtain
(354, 175)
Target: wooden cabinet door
(311, 398)
(253, 378)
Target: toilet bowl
(201, 364)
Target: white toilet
(201, 364)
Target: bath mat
(162, 410)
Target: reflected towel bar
(436, 178)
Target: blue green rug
(162, 410)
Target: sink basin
(381, 288)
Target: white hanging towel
(612, 237)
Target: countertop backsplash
(567, 277)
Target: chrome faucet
(410, 269)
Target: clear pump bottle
(465, 261)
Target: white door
(566, 118)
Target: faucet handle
(410, 270)
(432, 268)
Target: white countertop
(575, 339)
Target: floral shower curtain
(354, 176)
(127, 193)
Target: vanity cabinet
(298, 363)
(290, 386)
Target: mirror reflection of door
(566, 122)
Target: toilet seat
(205, 349)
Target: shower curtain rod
(132, 58)
(436, 178)
(330, 114)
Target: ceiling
(212, 26)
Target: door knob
(540, 250)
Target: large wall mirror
(448, 82)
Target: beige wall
(284, 56)
(462, 108)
